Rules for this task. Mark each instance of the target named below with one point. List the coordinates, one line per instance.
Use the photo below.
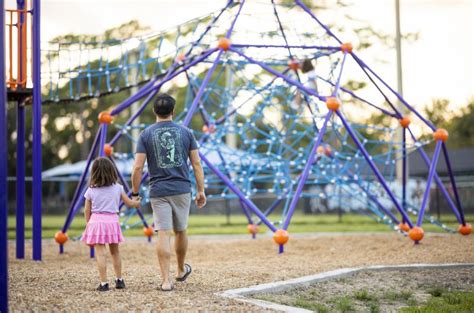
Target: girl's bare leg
(116, 260)
(101, 262)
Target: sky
(439, 65)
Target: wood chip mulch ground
(67, 282)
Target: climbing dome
(271, 95)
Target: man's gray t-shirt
(167, 146)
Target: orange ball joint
(416, 233)
(441, 134)
(465, 230)
(294, 65)
(333, 103)
(405, 121)
(252, 229)
(404, 227)
(108, 149)
(148, 231)
(224, 44)
(105, 117)
(180, 58)
(61, 237)
(209, 129)
(281, 236)
(346, 47)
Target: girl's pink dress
(103, 226)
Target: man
(166, 146)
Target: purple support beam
(20, 180)
(206, 80)
(374, 169)
(307, 10)
(380, 205)
(278, 74)
(438, 181)
(404, 169)
(103, 138)
(306, 170)
(239, 193)
(453, 183)
(37, 159)
(135, 115)
(426, 195)
(361, 99)
(231, 28)
(200, 92)
(273, 207)
(3, 171)
(338, 82)
(286, 46)
(412, 109)
(223, 118)
(156, 88)
(20, 151)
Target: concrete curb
(241, 294)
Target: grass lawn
(217, 224)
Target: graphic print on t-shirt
(168, 147)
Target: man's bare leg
(181, 247)
(164, 253)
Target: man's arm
(138, 171)
(199, 174)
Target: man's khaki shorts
(171, 212)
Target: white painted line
(305, 281)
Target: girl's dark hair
(103, 173)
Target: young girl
(101, 212)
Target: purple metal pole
(239, 45)
(380, 205)
(284, 77)
(223, 118)
(37, 197)
(200, 92)
(272, 208)
(155, 90)
(20, 154)
(135, 115)
(103, 137)
(307, 168)
(438, 181)
(374, 169)
(453, 183)
(239, 193)
(361, 99)
(434, 162)
(3, 171)
(20, 181)
(338, 82)
(195, 103)
(362, 64)
(404, 170)
(305, 8)
(231, 28)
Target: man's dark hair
(164, 105)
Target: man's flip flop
(188, 271)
